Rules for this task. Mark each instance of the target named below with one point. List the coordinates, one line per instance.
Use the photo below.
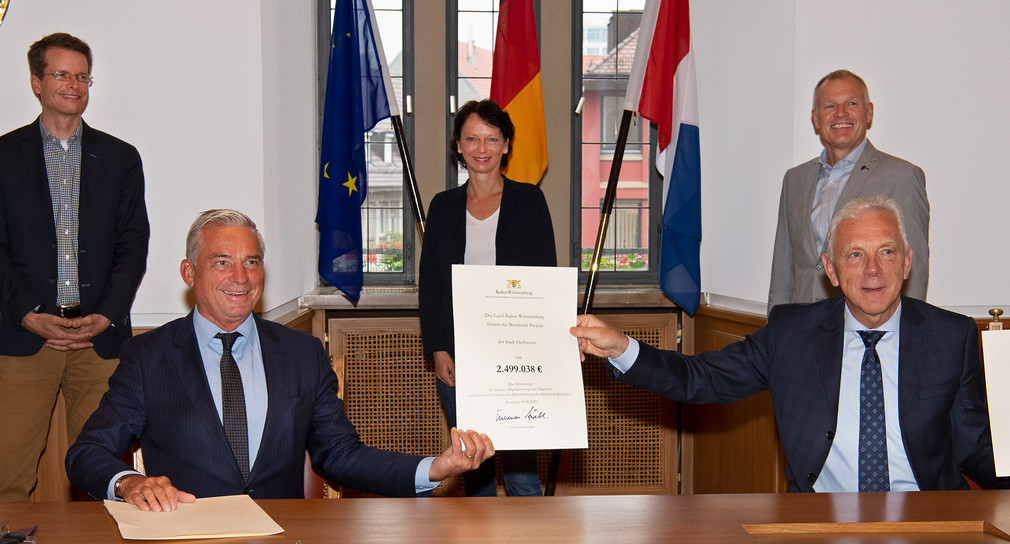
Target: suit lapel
(458, 225)
(828, 349)
(275, 371)
(506, 208)
(90, 163)
(31, 145)
(188, 364)
(806, 189)
(911, 355)
(860, 175)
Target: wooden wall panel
(735, 447)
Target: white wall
(937, 73)
(744, 59)
(290, 151)
(193, 85)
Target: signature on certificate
(532, 414)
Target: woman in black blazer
(506, 223)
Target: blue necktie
(233, 404)
(873, 472)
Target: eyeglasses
(87, 79)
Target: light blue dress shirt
(249, 358)
(830, 182)
(841, 469)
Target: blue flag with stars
(355, 102)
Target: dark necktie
(873, 472)
(233, 404)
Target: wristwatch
(115, 486)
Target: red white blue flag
(663, 89)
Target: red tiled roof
(474, 63)
(617, 61)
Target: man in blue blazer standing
(73, 248)
(207, 429)
(872, 391)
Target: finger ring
(468, 456)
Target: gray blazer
(797, 274)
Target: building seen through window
(609, 36)
(476, 28)
(384, 214)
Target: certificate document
(996, 353)
(518, 374)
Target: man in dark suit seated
(872, 391)
(224, 402)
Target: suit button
(246, 491)
(818, 266)
(811, 477)
(830, 435)
(52, 281)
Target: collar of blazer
(860, 175)
(911, 351)
(189, 365)
(508, 197)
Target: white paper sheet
(996, 353)
(211, 517)
(518, 374)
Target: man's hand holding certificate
(518, 374)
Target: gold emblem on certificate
(3, 9)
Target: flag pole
(601, 234)
(410, 180)
(608, 207)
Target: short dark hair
(491, 113)
(62, 40)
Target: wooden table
(609, 519)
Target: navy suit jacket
(797, 356)
(159, 396)
(525, 237)
(112, 236)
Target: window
(387, 221)
(611, 110)
(476, 25)
(609, 30)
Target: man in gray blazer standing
(849, 167)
